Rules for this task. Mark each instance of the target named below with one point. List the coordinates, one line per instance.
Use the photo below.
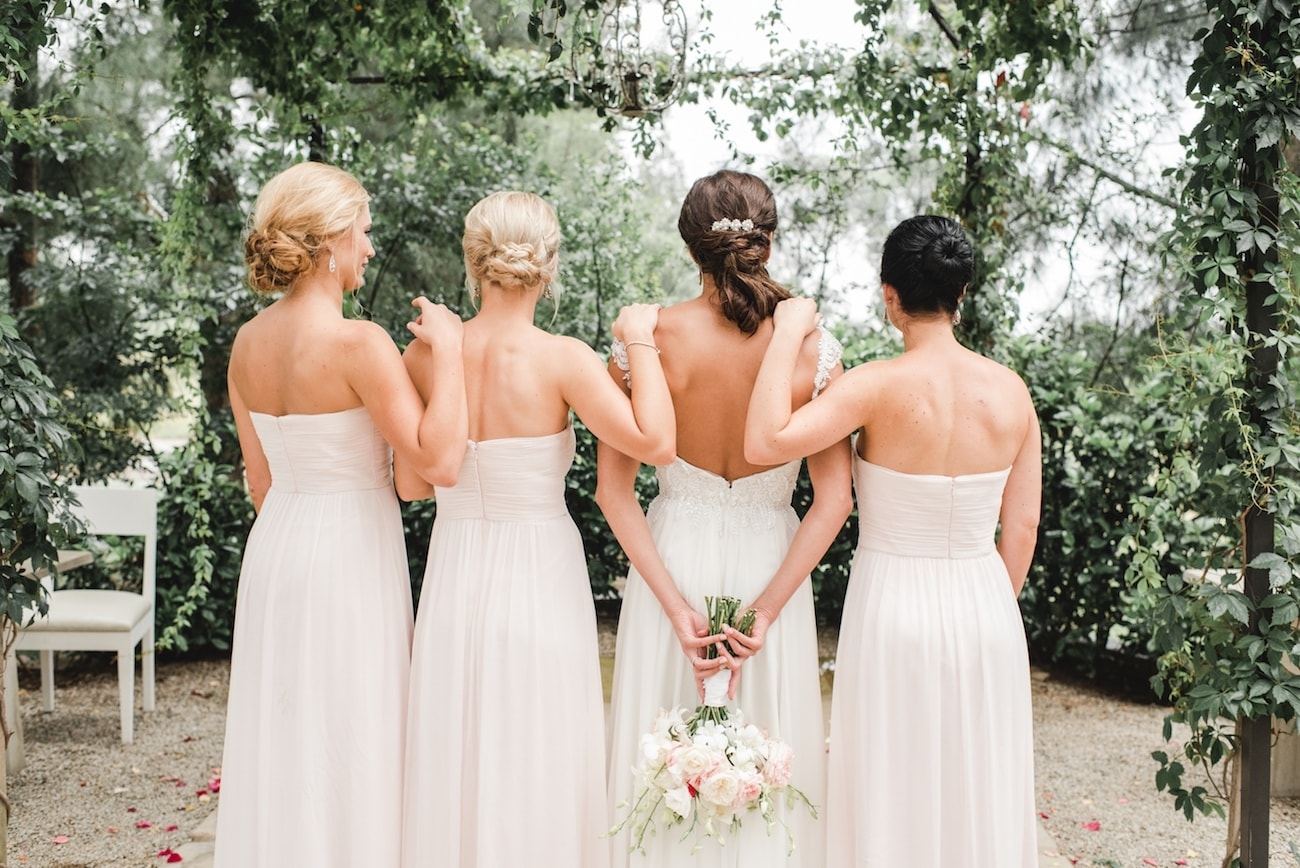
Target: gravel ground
(1092, 752)
(1096, 784)
(112, 804)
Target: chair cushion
(93, 611)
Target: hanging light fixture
(626, 62)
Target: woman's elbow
(840, 504)
(664, 453)
(761, 452)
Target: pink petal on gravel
(60, 839)
(1146, 861)
(143, 824)
(1091, 825)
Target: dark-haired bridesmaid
(723, 525)
(931, 750)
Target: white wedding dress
(931, 743)
(315, 725)
(506, 735)
(720, 537)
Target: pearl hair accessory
(725, 225)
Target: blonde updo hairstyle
(513, 239)
(297, 213)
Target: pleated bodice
(324, 452)
(914, 515)
(511, 479)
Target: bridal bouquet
(708, 768)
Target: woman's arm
(410, 484)
(1022, 500)
(431, 439)
(774, 433)
(643, 428)
(831, 474)
(257, 472)
(616, 497)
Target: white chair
(103, 620)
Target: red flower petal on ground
(1044, 815)
(172, 828)
(214, 785)
(143, 824)
(60, 839)
(130, 810)
(1092, 825)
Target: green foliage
(205, 518)
(1103, 443)
(34, 446)
(1224, 653)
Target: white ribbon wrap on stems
(715, 688)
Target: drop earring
(333, 266)
(546, 292)
(956, 317)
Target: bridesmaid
(505, 749)
(312, 768)
(722, 524)
(931, 747)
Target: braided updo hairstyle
(513, 239)
(297, 213)
(736, 258)
(930, 262)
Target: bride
(722, 525)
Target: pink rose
(751, 787)
(776, 771)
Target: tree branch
(1129, 186)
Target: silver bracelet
(640, 344)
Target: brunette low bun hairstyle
(734, 256)
(297, 213)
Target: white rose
(720, 788)
(692, 762)
(678, 801)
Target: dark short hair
(929, 261)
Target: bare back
(711, 366)
(293, 358)
(514, 375)
(944, 411)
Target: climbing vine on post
(1226, 632)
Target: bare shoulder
(683, 319)
(362, 334)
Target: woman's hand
(436, 325)
(636, 322)
(743, 647)
(796, 315)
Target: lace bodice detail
(760, 500)
(829, 352)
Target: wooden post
(1261, 321)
